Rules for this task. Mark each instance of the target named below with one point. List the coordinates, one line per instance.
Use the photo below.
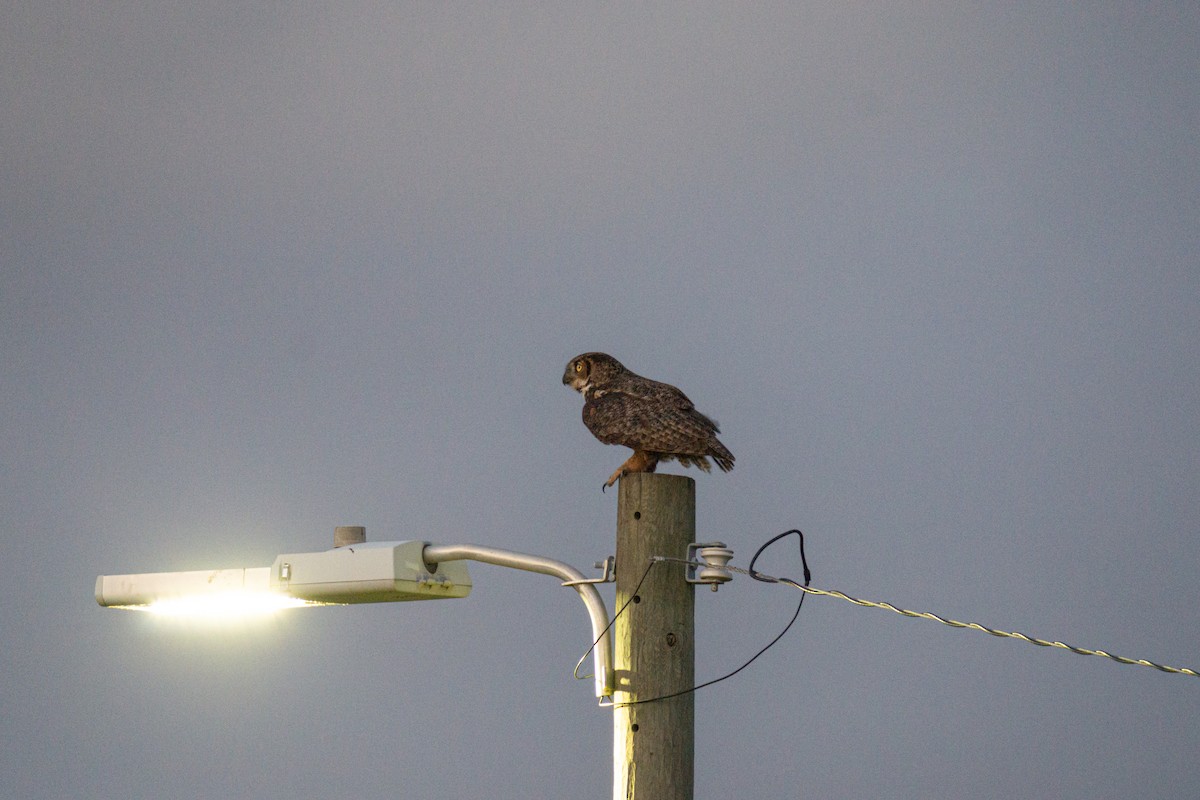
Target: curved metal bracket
(435, 553)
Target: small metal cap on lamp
(349, 534)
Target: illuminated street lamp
(652, 704)
(354, 572)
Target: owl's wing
(667, 397)
(661, 394)
(654, 421)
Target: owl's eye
(579, 366)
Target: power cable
(753, 574)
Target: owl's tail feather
(722, 456)
(692, 461)
(717, 451)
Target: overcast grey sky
(934, 267)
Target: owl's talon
(616, 476)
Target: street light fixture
(354, 572)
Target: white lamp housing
(373, 572)
(361, 573)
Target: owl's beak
(573, 380)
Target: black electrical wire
(758, 576)
(613, 621)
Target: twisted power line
(975, 626)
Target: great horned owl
(655, 419)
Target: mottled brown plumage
(655, 419)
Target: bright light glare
(229, 604)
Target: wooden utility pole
(654, 644)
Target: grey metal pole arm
(602, 653)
